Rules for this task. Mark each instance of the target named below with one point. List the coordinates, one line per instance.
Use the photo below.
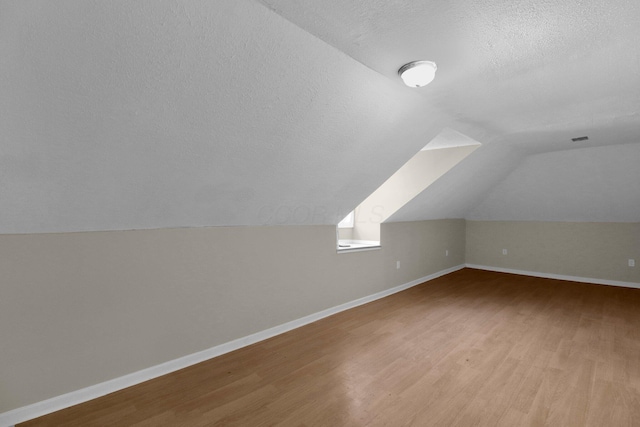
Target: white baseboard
(556, 276)
(57, 403)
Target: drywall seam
(92, 392)
(556, 276)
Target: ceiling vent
(580, 138)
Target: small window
(347, 222)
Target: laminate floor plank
(472, 348)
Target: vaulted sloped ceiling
(590, 184)
(523, 77)
(149, 114)
(124, 115)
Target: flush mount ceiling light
(418, 73)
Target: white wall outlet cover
(504, 252)
(446, 253)
(632, 263)
(398, 265)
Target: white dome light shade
(418, 73)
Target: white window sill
(357, 245)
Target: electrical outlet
(446, 253)
(504, 252)
(632, 263)
(397, 265)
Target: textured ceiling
(522, 77)
(507, 66)
(568, 186)
(125, 115)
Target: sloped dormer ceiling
(523, 77)
(126, 115)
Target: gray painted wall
(592, 250)
(81, 308)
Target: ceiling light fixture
(418, 73)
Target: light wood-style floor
(471, 348)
